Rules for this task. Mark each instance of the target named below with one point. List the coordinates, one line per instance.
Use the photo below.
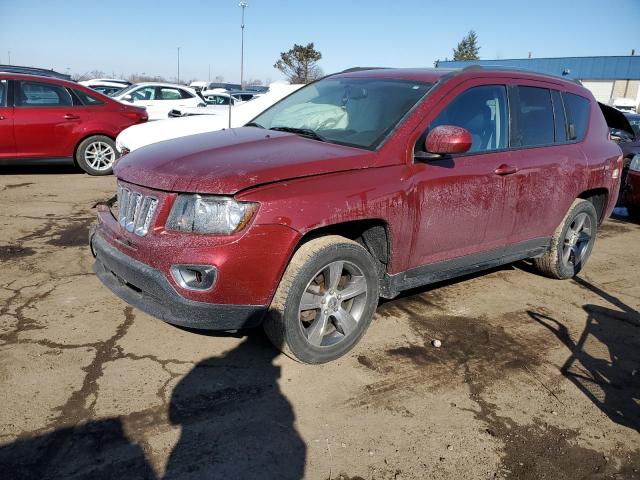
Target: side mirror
(448, 139)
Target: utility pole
(178, 64)
(243, 5)
(9, 53)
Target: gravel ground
(535, 378)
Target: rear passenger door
(536, 193)
(7, 142)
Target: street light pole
(9, 53)
(243, 5)
(178, 64)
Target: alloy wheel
(99, 156)
(577, 240)
(333, 303)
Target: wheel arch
(599, 197)
(373, 234)
(84, 137)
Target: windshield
(124, 90)
(350, 111)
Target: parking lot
(535, 378)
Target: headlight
(121, 147)
(635, 163)
(209, 214)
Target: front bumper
(148, 290)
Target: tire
(572, 242)
(333, 324)
(96, 155)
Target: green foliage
(299, 64)
(467, 48)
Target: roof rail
(360, 69)
(505, 68)
(33, 71)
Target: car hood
(138, 136)
(616, 119)
(228, 161)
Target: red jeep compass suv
(44, 119)
(360, 185)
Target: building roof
(579, 68)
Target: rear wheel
(96, 155)
(325, 300)
(571, 243)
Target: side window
(218, 100)
(482, 111)
(534, 118)
(87, 99)
(577, 115)
(4, 87)
(169, 93)
(559, 117)
(32, 94)
(144, 93)
(185, 94)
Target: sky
(122, 38)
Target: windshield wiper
(253, 124)
(305, 132)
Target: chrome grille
(135, 211)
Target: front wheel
(96, 155)
(571, 243)
(325, 301)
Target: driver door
(460, 197)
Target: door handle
(70, 116)
(505, 169)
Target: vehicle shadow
(235, 423)
(611, 379)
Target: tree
(468, 48)
(299, 64)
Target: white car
(159, 98)
(623, 104)
(138, 136)
(106, 86)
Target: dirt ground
(535, 378)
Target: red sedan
(47, 120)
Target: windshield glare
(350, 111)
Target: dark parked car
(44, 119)
(624, 129)
(360, 185)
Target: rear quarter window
(577, 109)
(87, 99)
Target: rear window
(534, 122)
(577, 108)
(87, 99)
